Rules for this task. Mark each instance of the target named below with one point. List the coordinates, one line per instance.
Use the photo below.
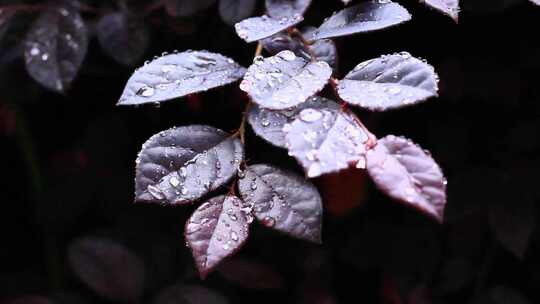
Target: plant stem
(305, 42)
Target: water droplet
(233, 217)
(234, 236)
(146, 91)
(155, 192)
(253, 185)
(269, 221)
(288, 55)
(310, 115)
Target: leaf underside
(407, 173)
(284, 80)
(283, 201)
(176, 75)
(389, 82)
(364, 17)
(257, 28)
(55, 47)
(233, 11)
(181, 165)
(268, 124)
(286, 8)
(108, 268)
(216, 230)
(326, 140)
(537, 2)
(123, 37)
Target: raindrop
(310, 115)
(269, 221)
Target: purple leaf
(233, 11)
(189, 294)
(286, 8)
(537, 2)
(186, 8)
(447, 7)
(250, 274)
(364, 17)
(216, 230)
(55, 47)
(405, 172)
(323, 50)
(108, 268)
(389, 82)
(269, 124)
(513, 221)
(285, 80)
(182, 164)
(123, 37)
(283, 201)
(326, 140)
(257, 28)
(176, 75)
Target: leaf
(257, 28)
(286, 8)
(364, 17)
(283, 201)
(233, 11)
(189, 294)
(284, 80)
(186, 8)
(447, 7)
(176, 75)
(389, 82)
(216, 230)
(324, 49)
(405, 172)
(182, 164)
(108, 268)
(537, 2)
(123, 37)
(55, 47)
(512, 221)
(326, 140)
(269, 124)
(251, 274)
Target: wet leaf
(326, 140)
(176, 75)
(286, 8)
(405, 172)
(189, 294)
(233, 11)
(323, 50)
(447, 7)
(55, 47)
(364, 17)
(182, 164)
(257, 28)
(251, 274)
(108, 268)
(186, 8)
(283, 201)
(512, 221)
(389, 82)
(216, 230)
(123, 37)
(284, 80)
(537, 2)
(269, 124)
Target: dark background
(67, 170)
